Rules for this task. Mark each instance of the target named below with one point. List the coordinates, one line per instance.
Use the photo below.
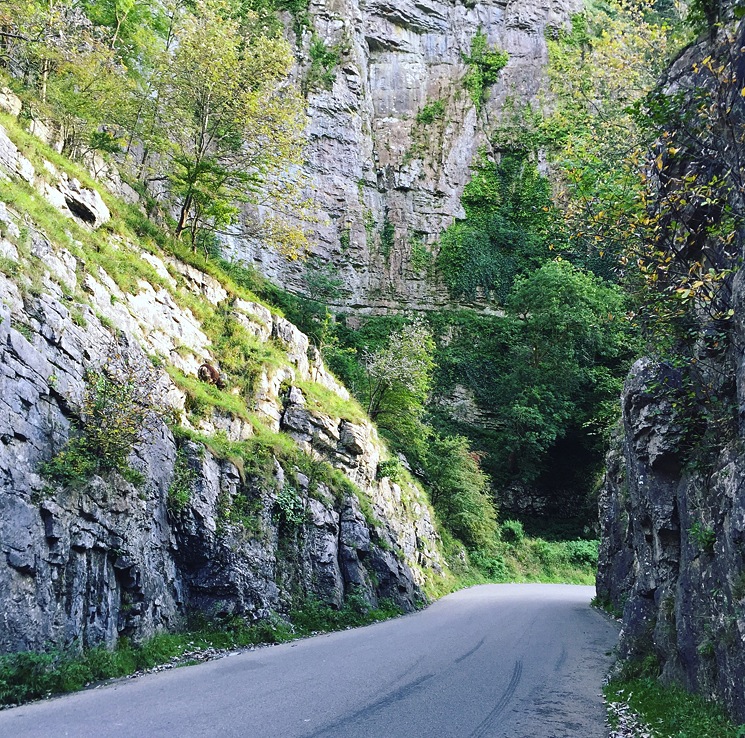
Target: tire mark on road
(483, 729)
(562, 659)
(471, 652)
(396, 696)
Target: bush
(431, 112)
(289, 508)
(459, 491)
(116, 408)
(491, 565)
(582, 553)
(512, 531)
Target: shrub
(179, 492)
(582, 553)
(460, 491)
(117, 406)
(431, 112)
(391, 469)
(484, 65)
(512, 531)
(289, 508)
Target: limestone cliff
(672, 507)
(280, 494)
(386, 180)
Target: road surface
(496, 661)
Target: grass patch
(203, 398)
(671, 711)
(323, 400)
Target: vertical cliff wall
(386, 180)
(672, 508)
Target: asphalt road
(507, 661)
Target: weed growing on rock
(117, 407)
(289, 508)
(179, 492)
(484, 64)
(703, 536)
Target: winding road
(497, 661)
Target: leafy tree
(459, 490)
(568, 333)
(398, 379)
(79, 79)
(233, 122)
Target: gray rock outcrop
(672, 507)
(85, 563)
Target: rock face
(84, 564)
(672, 554)
(672, 508)
(385, 182)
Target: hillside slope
(249, 493)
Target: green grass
(671, 711)
(27, 676)
(202, 398)
(323, 400)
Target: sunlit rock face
(386, 182)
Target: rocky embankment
(255, 531)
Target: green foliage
(704, 537)
(289, 508)
(231, 119)
(328, 402)
(671, 709)
(323, 63)
(239, 509)
(509, 216)
(73, 466)
(397, 380)
(184, 476)
(582, 553)
(420, 258)
(431, 112)
(512, 531)
(116, 408)
(115, 411)
(198, 90)
(459, 490)
(202, 398)
(484, 64)
(387, 238)
(549, 370)
(322, 278)
(315, 616)
(392, 469)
